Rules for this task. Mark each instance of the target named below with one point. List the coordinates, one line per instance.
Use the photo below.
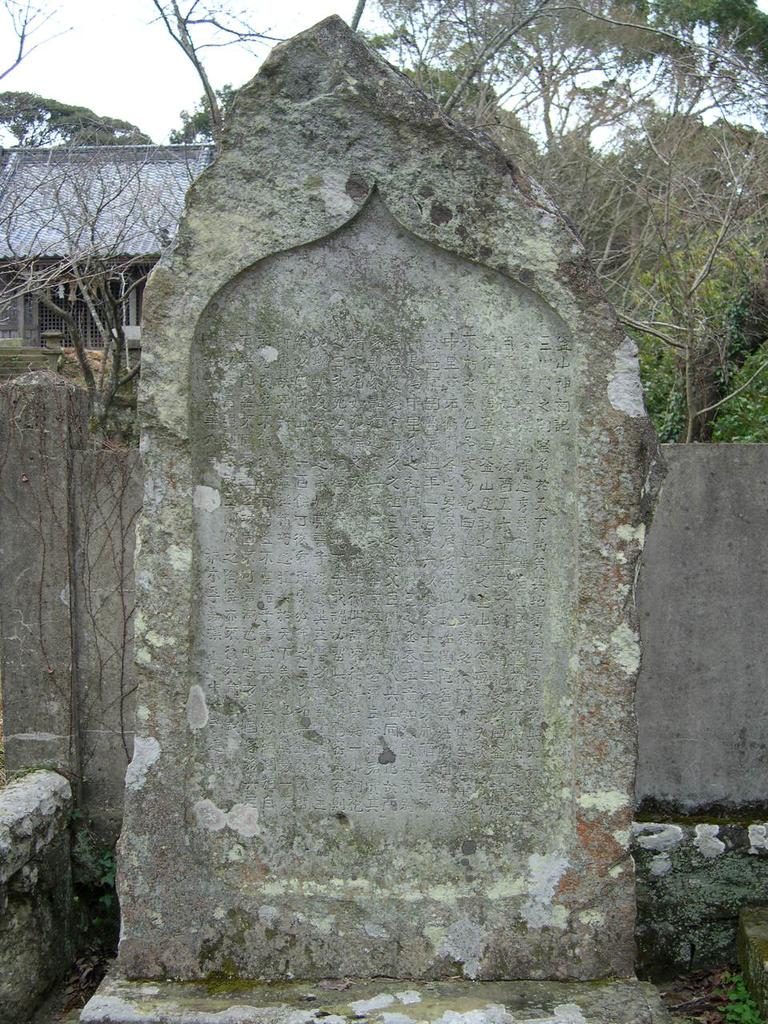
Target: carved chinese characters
(385, 623)
(382, 523)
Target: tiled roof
(117, 200)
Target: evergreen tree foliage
(196, 125)
(38, 121)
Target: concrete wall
(67, 515)
(702, 698)
(36, 930)
(701, 845)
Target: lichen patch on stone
(244, 819)
(241, 818)
(408, 997)
(625, 648)
(362, 1007)
(465, 943)
(631, 534)
(197, 708)
(758, 838)
(659, 837)
(706, 841)
(375, 931)
(493, 1013)
(146, 752)
(206, 499)
(395, 1018)
(609, 800)
(569, 1013)
(625, 391)
(209, 816)
(545, 871)
(179, 557)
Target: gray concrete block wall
(702, 694)
(702, 705)
(67, 516)
(41, 419)
(36, 925)
(106, 497)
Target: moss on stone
(688, 914)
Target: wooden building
(80, 229)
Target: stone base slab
(376, 1002)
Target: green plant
(744, 418)
(95, 897)
(741, 1007)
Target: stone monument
(395, 451)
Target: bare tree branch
(80, 231)
(354, 24)
(738, 391)
(649, 329)
(184, 21)
(487, 52)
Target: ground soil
(698, 996)
(64, 1004)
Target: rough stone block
(36, 940)
(753, 953)
(692, 881)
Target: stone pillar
(43, 420)
(67, 520)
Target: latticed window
(55, 328)
(68, 298)
(9, 317)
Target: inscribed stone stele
(394, 444)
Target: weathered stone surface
(122, 1002)
(394, 448)
(32, 811)
(701, 695)
(693, 879)
(701, 705)
(42, 418)
(753, 953)
(106, 493)
(67, 517)
(36, 938)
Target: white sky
(114, 58)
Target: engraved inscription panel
(382, 439)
